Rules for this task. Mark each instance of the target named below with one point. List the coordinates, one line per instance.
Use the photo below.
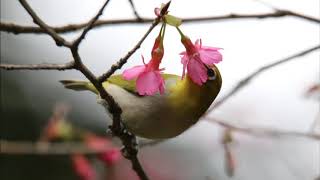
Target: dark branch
(134, 10)
(138, 168)
(16, 29)
(47, 148)
(58, 39)
(245, 81)
(90, 24)
(263, 131)
(44, 66)
(124, 59)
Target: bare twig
(230, 162)
(17, 29)
(292, 13)
(124, 59)
(90, 25)
(58, 39)
(263, 131)
(47, 148)
(52, 148)
(134, 9)
(60, 67)
(146, 143)
(245, 81)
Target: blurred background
(276, 99)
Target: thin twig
(245, 81)
(60, 67)
(51, 148)
(149, 143)
(60, 41)
(124, 59)
(47, 148)
(90, 25)
(292, 13)
(134, 9)
(17, 29)
(257, 131)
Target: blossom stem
(162, 32)
(180, 32)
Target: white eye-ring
(212, 78)
(211, 74)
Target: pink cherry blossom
(149, 80)
(196, 58)
(110, 156)
(83, 167)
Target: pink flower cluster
(197, 59)
(149, 79)
(109, 155)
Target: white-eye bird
(159, 116)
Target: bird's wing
(130, 85)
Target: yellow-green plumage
(159, 116)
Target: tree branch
(124, 59)
(90, 25)
(45, 66)
(47, 148)
(54, 148)
(17, 29)
(245, 81)
(134, 10)
(263, 131)
(58, 39)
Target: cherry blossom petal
(97, 143)
(198, 43)
(209, 56)
(161, 84)
(110, 157)
(157, 11)
(133, 72)
(184, 61)
(197, 71)
(183, 53)
(211, 48)
(82, 167)
(148, 83)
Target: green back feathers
(125, 84)
(78, 85)
(129, 86)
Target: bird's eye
(211, 74)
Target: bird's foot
(130, 147)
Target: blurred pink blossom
(196, 58)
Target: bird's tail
(78, 85)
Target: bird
(160, 116)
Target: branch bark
(60, 67)
(60, 41)
(257, 131)
(245, 81)
(46, 148)
(134, 9)
(17, 29)
(124, 59)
